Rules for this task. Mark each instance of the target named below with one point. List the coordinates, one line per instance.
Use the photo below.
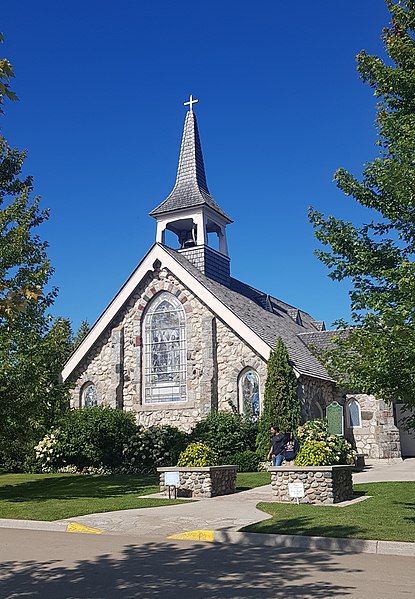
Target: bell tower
(191, 213)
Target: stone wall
(378, 437)
(322, 485)
(315, 395)
(202, 483)
(215, 358)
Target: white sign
(296, 489)
(171, 479)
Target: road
(56, 565)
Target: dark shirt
(278, 443)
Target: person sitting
(291, 448)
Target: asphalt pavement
(52, 565)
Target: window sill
(171, 405)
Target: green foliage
(247, 461)
(227, 433)
(316, 444)
(378, 355)
(33, 347)
(80, 335)
(313, 430)
(281, 404)
(153, 447)
(314, 453)
(6, 74)
(88, 437)
(198, 455)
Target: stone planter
(206, 482)
(323, 485)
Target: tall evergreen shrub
(281, 404)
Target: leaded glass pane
(354, 414)
(165, 358)
(249, 389)
(90, 396)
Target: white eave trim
(157, 252)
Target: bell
(187, 239)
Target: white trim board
(157, 252)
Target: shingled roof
(267, 316)
(323, 340)
(190, 189)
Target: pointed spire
(190, 188)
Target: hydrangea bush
(319, 448)
(153, 447)
(47, 452)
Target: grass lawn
(57, 496)
(388, 515)
(249, 480)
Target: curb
(239, 538)
(57, 526)
(316, 543)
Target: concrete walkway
(227, 513)
(386, 471)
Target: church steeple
(190, 188)
(191, 212)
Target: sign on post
(296, 490)
(335, 420)
(172, 481)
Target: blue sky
(101, 87)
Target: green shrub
(153, 447)
(281, 406)
(337, 449)
(312, 430)
(227, 433)
(314, 453)
(247, 461)
(88, 437)
(198, 455)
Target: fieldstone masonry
(378, 436)
(322, 485)
(216, 358)
(202, 483)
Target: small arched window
(249, 401)
(165, 350)
(89, 396)
(353, 414)
(316, 410)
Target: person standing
(277, 446)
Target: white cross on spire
(190, 103)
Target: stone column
(117, 368)
(209, 376)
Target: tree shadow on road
(169, 570)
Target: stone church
(182, 337)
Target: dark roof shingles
(248, 304)
(190, 188)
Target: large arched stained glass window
(89, 396)
(165, 350)
(249, 403)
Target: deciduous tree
(378, 355)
